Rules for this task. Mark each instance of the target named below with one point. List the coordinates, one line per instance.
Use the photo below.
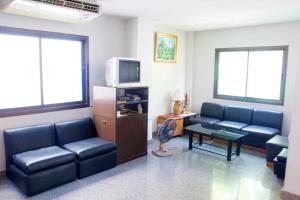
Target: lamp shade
(178, 95)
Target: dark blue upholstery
(267, 119)
(26, 139)
(76, 130)
(280, 163)
(93, 154)
(282, 156)
(261, 125)
(231, 125)
(264, 126)
(261, 130)
(258, 135)
(212, 110)
(90, 147)
(203, 120)
(210, 114)
(275, 145)
(38, 182)
(238, 114)
(40, 159)
(235, 118)
(33, 161)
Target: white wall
(265, 35)
(162, 78)
(190, 53)
(167, 77)
(131, 34)
(106, 39)
(291, 183)
(139, 42)
(145, 53)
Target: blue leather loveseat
(261, 125)
(93, 154)
(34, 162)
(39, 158)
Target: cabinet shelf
(131, 115)
(133, 102)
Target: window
(42, 71)
(254, 74)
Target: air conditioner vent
(73, 11)
(78, 5)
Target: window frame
(84, 72)
(280, 102)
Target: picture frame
(165, 47)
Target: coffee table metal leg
(229, 150)
(190, 140)
(238, 147)
(200, 139)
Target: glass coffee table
(229, 137)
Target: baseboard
(263, 151)
(288, 196)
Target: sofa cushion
(231, 125)
(267, 118)
(282, 156)
(212, 110)
(40, 159)
(204, 120)
(29, 138)
(73, 131)
(90, 147)
(238, 114)
(261, 130)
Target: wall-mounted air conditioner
(74, 11)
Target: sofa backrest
(267, 118)
(238, 114)
(212, 110)
(28, 138)
(76, 130)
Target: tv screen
(129, 71)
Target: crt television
(123, 72)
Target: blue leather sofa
(34, 162)
(236, 118)
(260, 125)
(39, 158)
(264, 126)
(210, 114)
(93, 154)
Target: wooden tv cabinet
(129, 130)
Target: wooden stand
(179, 121)
(128, 131)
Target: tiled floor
(187, 175)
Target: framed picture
(165, 48)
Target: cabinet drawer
(106, 128)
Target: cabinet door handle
(103, 121)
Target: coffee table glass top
(210, 131)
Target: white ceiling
(191, 15)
